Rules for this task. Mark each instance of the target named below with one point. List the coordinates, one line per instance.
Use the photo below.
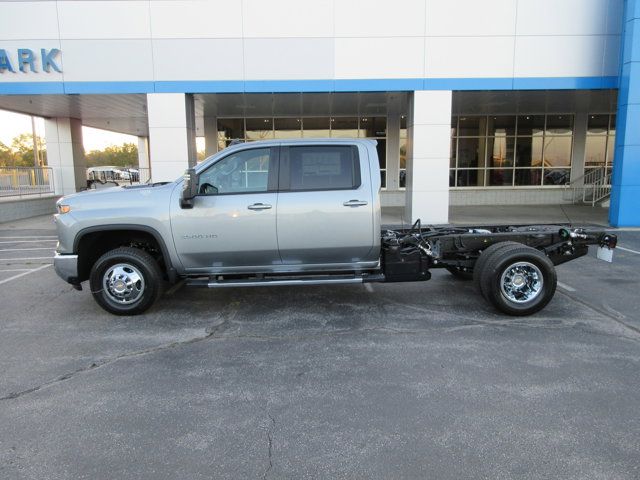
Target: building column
(428, 153)
(172, 134)
(393, 151)
(581, 121)
(143, 152)
(65, 154)
(624, 210)
(210, 136)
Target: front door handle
(354, 203)
(259, 206)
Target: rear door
(325, 205)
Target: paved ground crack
(272, 424)
(210, 333)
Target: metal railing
(590, 188)
(26, 181)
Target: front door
(232, 225)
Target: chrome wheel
(123, 283)
(521, 282)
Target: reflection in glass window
(402, 171)
(472, 126)
(470, 152)
(241, 172)
(344, 127)
(373, 127)
(556, 176)
(511, 150)
(557, 151)
(559, 125)
(259, 129)
(529, 151)
(500, 177)
(501, 125)
(323, 167)
(315, 127)
(600, 142)
(530, 125)
(288, 127)
(500, 151)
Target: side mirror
(189, 188)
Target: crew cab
(292, 212)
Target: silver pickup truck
(292, 213)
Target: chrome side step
(286, 281)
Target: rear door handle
(259, 206)
(355, 203)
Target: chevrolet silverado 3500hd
(298, 212)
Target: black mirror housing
(189, 188)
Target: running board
(287, 281)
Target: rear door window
(320, 167)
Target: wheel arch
(107, 235)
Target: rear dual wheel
(515, 279)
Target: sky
(13, 124)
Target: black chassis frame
(460, 246)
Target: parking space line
(29, 236)
(32, 241)
(6, 280)
(566, 287)
(368, 287)
(23, 249)
(24, 258)
(628, 250)
(17, 270)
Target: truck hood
(120, 193)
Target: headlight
(64, 208)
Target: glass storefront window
(528, 176)
(470, 151)
(472, 126)
(601, 141)
(373, 127)
(315, 127)
(288, 127)
(259, 129)
(530, 125)
(556, 176)
(501, 125)
(344, 127)
(557, 151)
(559, 125)
(511, 150)
(595, 150)
(500, 151)
(500, 177)
(402, 171)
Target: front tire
(126, 281)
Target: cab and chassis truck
(299, 212)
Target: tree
(125, 155)
(20, 154)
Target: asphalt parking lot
(419, 380)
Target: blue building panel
(625, 191)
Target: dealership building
(493, 102)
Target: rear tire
(482, 261)
(519, 280)
(126, 281)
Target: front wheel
(126, 281)
(519, 281)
